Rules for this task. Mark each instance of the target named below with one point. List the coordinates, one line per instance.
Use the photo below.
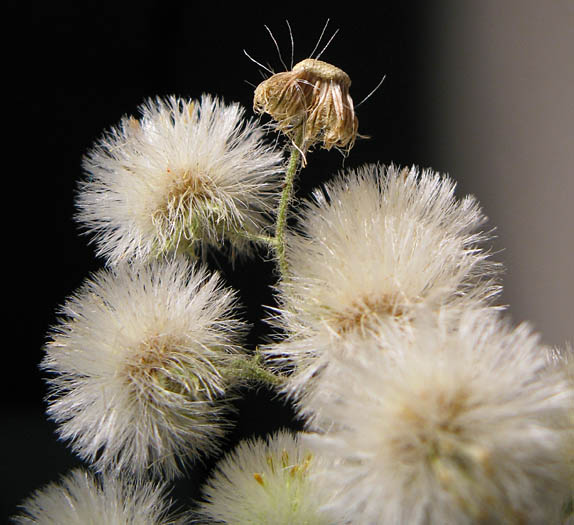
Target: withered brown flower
(312, 98)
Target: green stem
(252, 369)
(286, 196)
(255, 237)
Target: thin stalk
(256, 237)
(286, 196)
(253, 369)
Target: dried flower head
(267, 481)
(452, 426)
(82, 499)
(312, 97)
(186, 175)
(375, 245)
(138, 366)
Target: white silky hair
(372, 247)
(137, 366)
(187, 175)
(80, 498)
(268, 480)
(458, 424)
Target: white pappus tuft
(138, 366)
(460, 425)
(265, 481)
(562, 360)
(186, 175)
(81, 499)
(375, 245)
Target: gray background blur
(502, 119)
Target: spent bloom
(138, 366)
(82, 499)
(313, 99)
(265, 481)
(375, 245)
(186, 175)
(458, 425)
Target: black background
(74, 73)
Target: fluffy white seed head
(186, 175)
(81, 499)
(375, 245)
(267, 481)
(562, 360)
(138, 366)
(456, 426)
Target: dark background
(76, 72)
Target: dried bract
(315, 95)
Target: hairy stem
(257, 238)
(286, 196)
(253, 369)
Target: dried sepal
(315, 95)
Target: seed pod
(315, 95)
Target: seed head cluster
(372, 248)
(420, 402)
